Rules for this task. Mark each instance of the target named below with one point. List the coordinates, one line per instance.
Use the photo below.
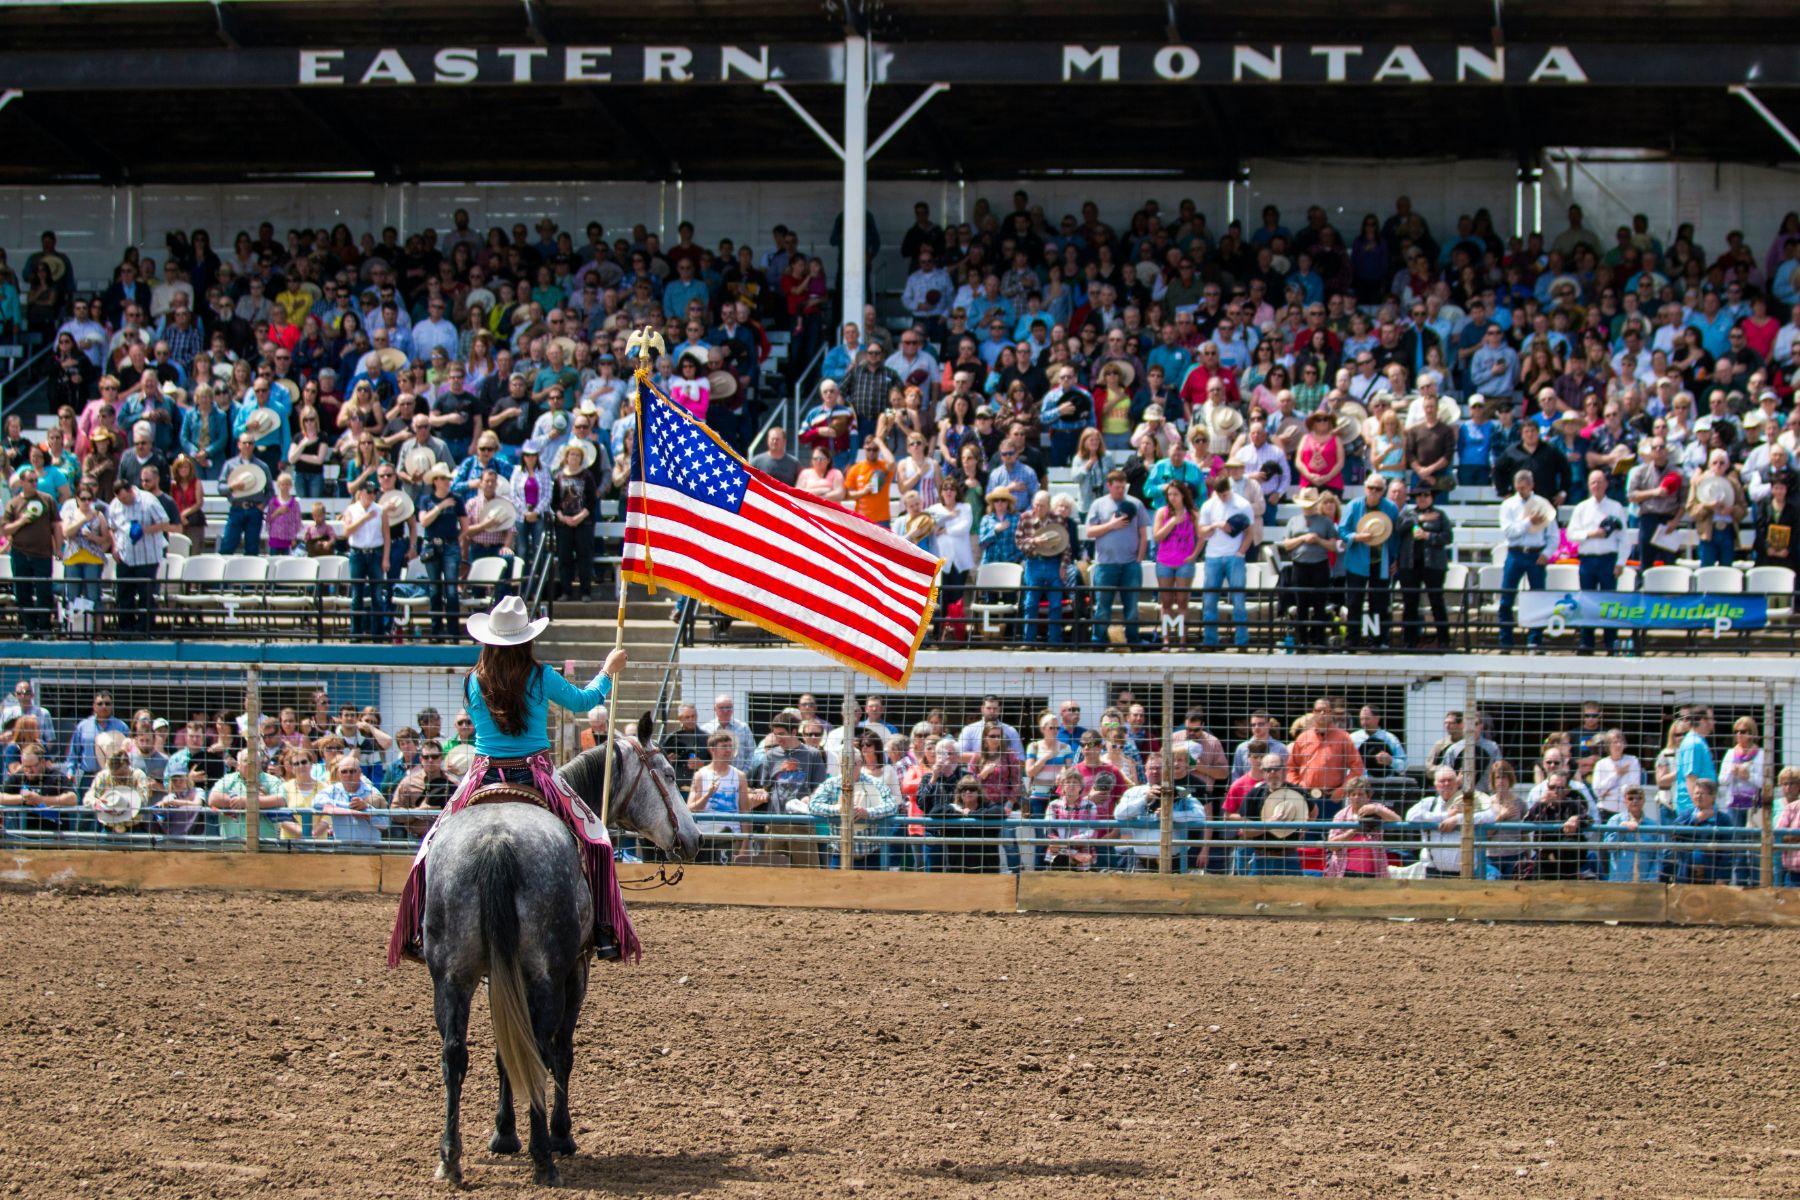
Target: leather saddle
(509, 793)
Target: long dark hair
(503, 673)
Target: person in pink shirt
(282, 516)
(689, 387)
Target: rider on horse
(508, 695)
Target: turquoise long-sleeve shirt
(547, 686)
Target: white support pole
(856, 177)
(1774, 122)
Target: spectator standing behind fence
(1443, 812)
(1709, 825)
(1356, 846)
(353, 803)
(873, 805)
(719, 787)
(1566, 818)
(231, 793)
(1625, 829)
(1366, 560)
(1324, 757)
(1139, 849)
(1693, 760)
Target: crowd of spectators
(970, 796)
(1597, 811)
(424, 378)
(1190, 380)
(327, 772)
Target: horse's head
(646, 799)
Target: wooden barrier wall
(894, 891)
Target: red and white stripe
(803, 568)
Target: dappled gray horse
(505, 897)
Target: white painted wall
(1716, 197)
(94, 224)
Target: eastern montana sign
(1386, 64)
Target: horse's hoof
(449, 1174)
(562, 1143)
(504, 1143)
(547, 1176)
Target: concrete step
(607, 610)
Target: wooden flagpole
(612, 710)
(644, 341)
(849, 773)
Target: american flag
(703, 523)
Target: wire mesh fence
(1295, 766)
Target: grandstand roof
(215, 94)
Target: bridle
(646, 765)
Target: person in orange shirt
(866, 482)
(1324, 757)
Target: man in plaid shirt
(867, 385)
(182, 334)
(1000, 529)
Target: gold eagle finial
(646, 344)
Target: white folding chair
(997, 577)
(1720, 581)
(1667, 581)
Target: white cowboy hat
(259, 423)
(397, 505)
(458, 759)
(419, 459)
(590, 453)
(504, 512)
(246, 479)
(117, 807)
(508, 625)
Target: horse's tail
(501, 879)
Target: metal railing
(1515, 850)
(787, 412)
(995, 618)
(538, 573)
(666, 687)
(25, 380)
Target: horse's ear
(645, 724)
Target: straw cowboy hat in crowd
(721, 385)
(509, 624)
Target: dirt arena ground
(211, 1045)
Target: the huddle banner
(1636, 610)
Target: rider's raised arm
(576, 699)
